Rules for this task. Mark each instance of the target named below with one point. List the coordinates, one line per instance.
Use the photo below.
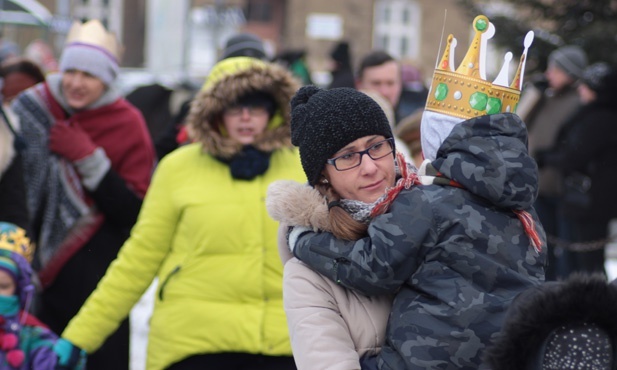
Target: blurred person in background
(584, 155)
(17, 75)
(380, 72)
(241, 44)
(414, 92)
(295, 61)
(342, 67)
(26, 342)
(13, 207)
(205, 234)
(87, 165)
(545, 111)
(408, 130)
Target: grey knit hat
(571, 59)
(244, 45)
(324, 121)
(92, 59)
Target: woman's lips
(372, 186)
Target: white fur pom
(297, 204)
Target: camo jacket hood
(229, 80)
(488, 156)
(454, 257)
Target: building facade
(186, 36)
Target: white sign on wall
(324, 26)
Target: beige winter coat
(330, 327)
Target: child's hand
(70, 357)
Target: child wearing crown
(25, 342)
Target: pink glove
(70, 141)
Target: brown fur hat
(228, 81)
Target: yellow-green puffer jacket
(207, 237)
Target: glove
(70, 141)
(70, 357)
(294, 233)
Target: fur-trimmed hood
(229, 80)
(537, 312)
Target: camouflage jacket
(455, 257)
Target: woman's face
(81, 89)
(7, 284)
(244, 123)
(368, 181)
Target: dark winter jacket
(12, 187)
(586, 145)
(455, 257)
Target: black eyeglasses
(351, 160)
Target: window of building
(258, 11)
(405, 15)
(385, 41)
(386, 14)
(404, 46)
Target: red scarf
(405, 182)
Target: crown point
(481, 24)
(464, 91)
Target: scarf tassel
(530, 229)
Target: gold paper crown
(94, 33)
(15, 240)
(465, 93)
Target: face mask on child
(9, 305)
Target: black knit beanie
(600, 77)
(325, 121)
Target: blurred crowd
(113, 191)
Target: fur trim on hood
(229, 80)
(297, 204)
(537, 312)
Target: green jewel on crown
(478, 101)
(441, 92)
(493, 105)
